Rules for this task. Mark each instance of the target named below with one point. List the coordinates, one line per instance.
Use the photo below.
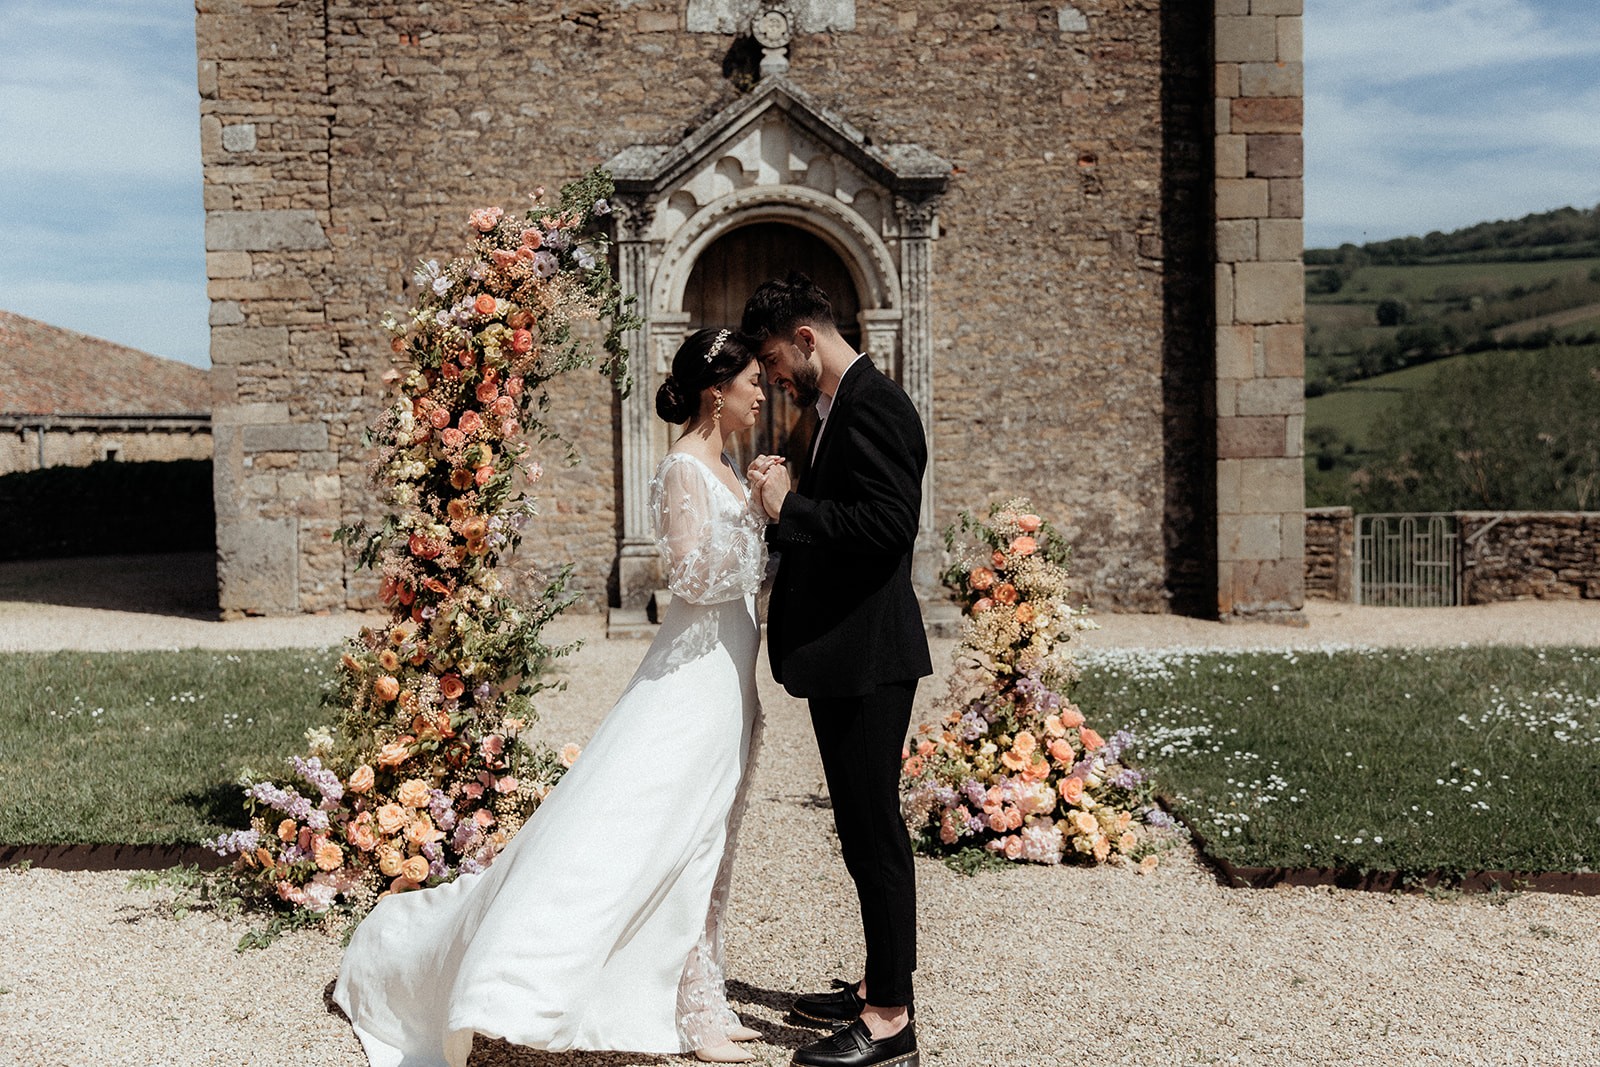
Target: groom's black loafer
(853, 1046)
(836, 1007)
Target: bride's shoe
(744, 1033)
(727, 1052)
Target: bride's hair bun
(671, 404)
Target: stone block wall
(1330, 553)
(23, 449)
(1072, 274)
(1260, 307)
(1523, 555)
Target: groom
(844, 630)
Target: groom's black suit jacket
(843, 618)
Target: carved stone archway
(773, 156)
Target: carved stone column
(638, 563)
(880, 338)
(918, 227)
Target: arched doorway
(722, 279)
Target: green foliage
(1521, 432)
(1392, 312)
(1549, 233)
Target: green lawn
(1419, 283)
(146, 747)
(1456, 759)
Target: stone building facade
(1071, 231)
(69, 400)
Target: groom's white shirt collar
(825, 400)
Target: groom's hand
(774, 487)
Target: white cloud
(1369, 43)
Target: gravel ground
(1026, 966)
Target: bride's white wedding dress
(598, 927)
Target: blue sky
(1421, 115)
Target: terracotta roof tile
(46, 370)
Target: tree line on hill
(1566, 233)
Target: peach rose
(1071, 789)
(1071, 716)
(386, 687)
(1005, 593)
(1090, 739)
(484, 305)
(925, 747)
(520, 319)
(389, 860)
(361, 779)
(1029, 523)
(502, 258)
(414, 869)
(471, 422)
(998, 558)
(1024, 613)
(486, 392)
(414, 793)
(288, 830)
(508, 784)
(522, 342)
(1123, 822)
(395, 752)
(509, 427)
(532, 238)
(1062, 751)
(451, 686)
(439, 418)
(392, 818)
(483, 817)
(329, 856)
(483, 475)
(982, 605)
(474, 529)
(453, 438)
(503, 407)
(1023, 546)
(361, 835)
(485, 218)
(912, 766)
(1013, 847)
(569, 754)
(514, 386)
(421, 831)
(981, 578)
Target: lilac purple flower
(326, 782)
(236, 842)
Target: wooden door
(723, 278)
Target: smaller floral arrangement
(1014, 768)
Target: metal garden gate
(1410, 561)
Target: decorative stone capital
(919, 218)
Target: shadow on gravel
(182, 584)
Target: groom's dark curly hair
(777, 307)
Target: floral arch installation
(774, 156)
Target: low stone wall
(1330, 553)
(1529, 554)
(1516, 555)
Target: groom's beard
(806, 382)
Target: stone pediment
(776, 135)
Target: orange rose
(414, 869)
(361, 779)
(522, 342)
(475, 529)
(1071, 789)
(514, 386)
(484, 305)
(913, 766)
(329, 856)
(451, 686)
(1038, 770)
(482, 475)
(999, 558)
(392, 818)
(532, 237)
(1024, 546)
(1024, 612)
(982, 606)
(1029, 523)
(1005, 593)
(421, 831)
(981, 578)
(1071, 716)
(1090, 739)
(386, 688)
(1060, 750)
(413, 793)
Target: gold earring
(716, 412)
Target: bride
(599, 926)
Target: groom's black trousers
(860, 740)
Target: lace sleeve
(712, 544)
